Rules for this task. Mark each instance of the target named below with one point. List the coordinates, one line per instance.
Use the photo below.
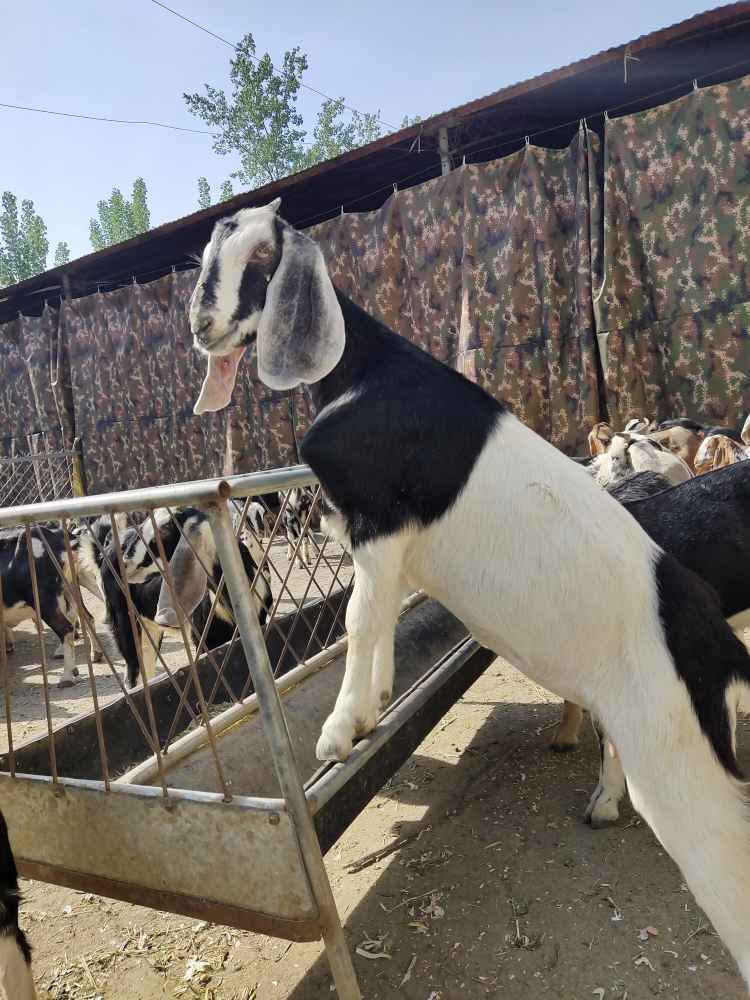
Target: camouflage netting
(673, 314)
(499, 269)
(35, 403)
(489, 269)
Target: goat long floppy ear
(190, 586)
(301, 332)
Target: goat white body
(502, 582)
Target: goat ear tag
(216, 391)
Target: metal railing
(168, 774)
(259, 555)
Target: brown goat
(680, 441)
(600, 437)
(718, 451)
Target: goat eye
(262, 251)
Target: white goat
(629, 454)
(438, 487)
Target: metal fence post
(274, 725)
(77, 474)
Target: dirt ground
(497, 889)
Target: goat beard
(216, 391)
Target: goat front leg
(604, 806)
(151, 639)
(370, 622)
(569, 730)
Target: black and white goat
(299, 504)
(439, 487)
(57, 608)
(16, 979)
(189, 547)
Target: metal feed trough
(198, 792)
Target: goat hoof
(9, 648)
(97, 656)
(385, 698)
(601, 812)
(66, 682)
(335, 741)
(562, 746)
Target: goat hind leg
(567, 733)
(603, 808)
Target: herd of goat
(128, 566)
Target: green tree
(23, 240)
(62, 254)
(334, 135)
(204, 192)
(120, 219)
(260, 122)
(140, 215)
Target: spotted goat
(438, 487)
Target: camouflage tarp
(673, 313)
(497, 269)
(489, 269)
(35, 408)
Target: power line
(101, 118)
(231, 45)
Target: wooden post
(445, 150)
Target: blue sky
(133, 60)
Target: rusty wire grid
(109, 575)
(37, 476)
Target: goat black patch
(707, 655)
(210, 282)
(255, 279)
(638, 487)
(689, 425)
(9, 895)
(705, 524)
(729, 432)
(411, 436)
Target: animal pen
(610, 191)
(199, 792)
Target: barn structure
(578, 243)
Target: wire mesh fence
(37, 476)
(159, 654)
